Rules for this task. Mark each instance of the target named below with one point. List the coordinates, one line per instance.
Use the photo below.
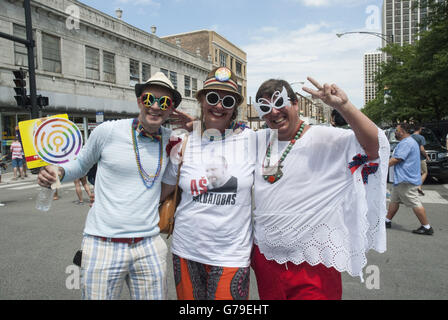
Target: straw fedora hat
(159, 79)
(221, 78)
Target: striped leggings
(106, 266)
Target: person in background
(78, 189)
(407, 177)
(447, 141)
(17, 158)
(337, 120)
(423, 155)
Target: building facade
(220, 52)
(372, 63)
(401, 20)
(88, 62)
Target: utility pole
(30, 44)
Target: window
(173, 78)
(108, 67)
(92, 63)
(20, 50)
(187, 86)
(194, 86)
(146, 72)
(238, 66)
(231, 63)
(134, 72)
(51, 53)
(165, 72)
(222, 59)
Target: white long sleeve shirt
(124, 207)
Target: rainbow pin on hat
(221, 78)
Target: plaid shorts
(107, 265)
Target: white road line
(432, 197)
(37, 187)
(13, 185)
(446, 186)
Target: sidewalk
(7, 177)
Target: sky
(283, 39)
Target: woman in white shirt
(212, 237)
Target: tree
(416, 76)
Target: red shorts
(295, 282)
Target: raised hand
(182, 120)
(329, 94)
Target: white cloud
(313, 50)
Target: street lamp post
(388, 38)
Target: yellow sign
(27, 130)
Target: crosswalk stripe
(37, 186)
(13, 185)
(432, 197)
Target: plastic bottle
(44, 199)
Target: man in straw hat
(121, 240)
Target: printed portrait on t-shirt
(218, 176)
(218, 186)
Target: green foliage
(416, 75)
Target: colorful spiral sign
(57, 141)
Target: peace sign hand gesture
(329, 94)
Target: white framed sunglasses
(278, 100)
(213, 98)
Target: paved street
(36, 249)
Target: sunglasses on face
(278, 101)
(213, 98)
(148, 99)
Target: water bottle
(44, 199)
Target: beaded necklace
(274, 173)
(148, 180)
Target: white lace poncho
(319, 212)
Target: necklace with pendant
(274, 173)
(148, 180)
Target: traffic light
(20, 88)
(42, 101)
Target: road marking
(432, 197)
(34, 185)
(446, 186)
(13, 185)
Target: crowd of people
(319, 194)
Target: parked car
(438, 155)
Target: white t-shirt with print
(213, 220)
